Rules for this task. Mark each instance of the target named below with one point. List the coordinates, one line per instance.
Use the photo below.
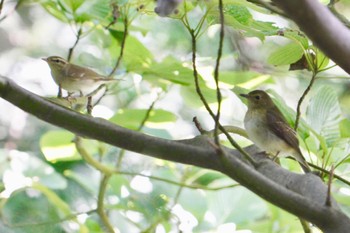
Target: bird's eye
(257, 97)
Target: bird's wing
(279, 125)
(81, 73)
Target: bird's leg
(70, 98)
(59, 94)
(275, 157)
(89, 105)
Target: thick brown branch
(302, 195)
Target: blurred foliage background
(47, 187)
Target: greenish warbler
(74, 78)
(269, 130)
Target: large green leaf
(296, 37)
(30, 211)
(169, 69)
(245, 79)
(58, 145)
(136, 57)
(191, 97)
(322, 60)
(324, 114)
(243, 205)
(56, 10)
(132, 118)
(238, 16)
(286, 54)
(240, 13)
(344, 127)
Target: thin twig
(13, 10)
(198, 125)
(115, 14)
(122, 46)
(297, 119)
(347, 182)
(190, 186)
(216, 73)
(229, 129)
(107, 172)
(105, 92)
(342, 18)
(1, 5)
(89, 158)
(100, 203)
(71, 50)
(330, 179)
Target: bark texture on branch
(301, 195)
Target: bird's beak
(45, 59)
(244, 95)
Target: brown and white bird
(269, 130)
(74, 78)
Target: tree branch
(322, 27)
(302, 195)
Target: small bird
(74, 78)
(268, 129)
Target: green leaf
(344, 127)
(53, 198)
(322, 60)
(169, 69)
(132, 118)
(191, 97)
(55, 10)
(206, 177)
(136, 57)
(324, 114)
(30, 211)
(267, 28)
(247, 206)
(58, 146)
(240, 13)
(239, 17)
(286, 55)
(97, 9)
(194, 201)
(296, 37)
(249, 31)
(246, 79)
(72, 4)
(247, 4)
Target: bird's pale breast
(259, 133)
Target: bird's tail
(301, 160)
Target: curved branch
(302, 195)
(322, 27)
